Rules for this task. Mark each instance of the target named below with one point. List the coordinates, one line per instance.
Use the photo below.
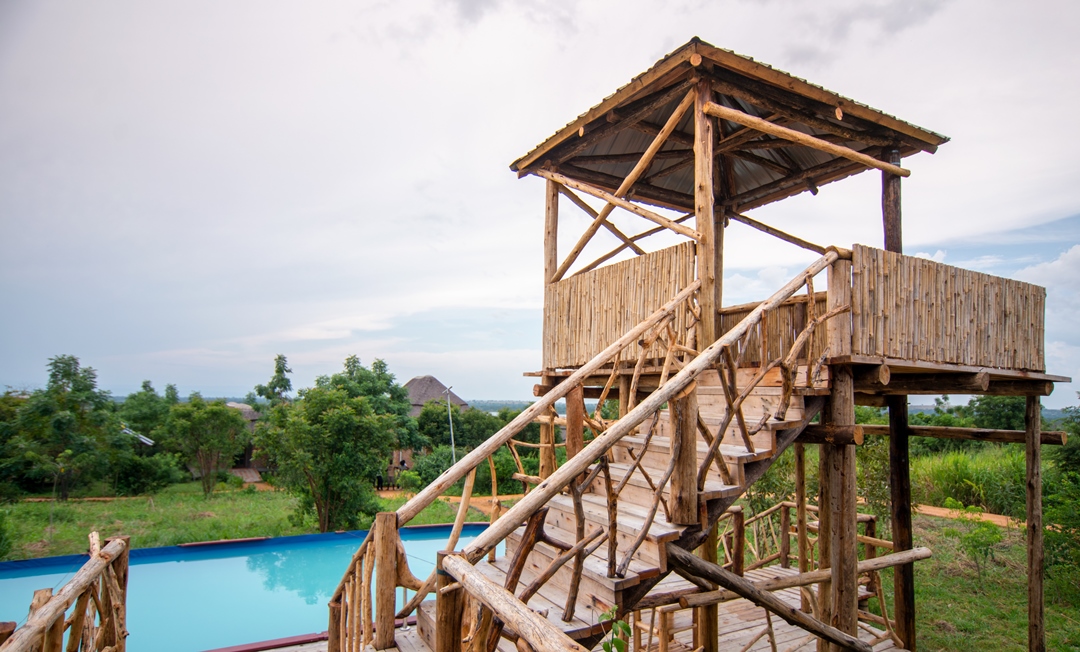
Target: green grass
(178, 514)
(956, 610)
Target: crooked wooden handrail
(577, 465)
(44, 629)
(429, 494)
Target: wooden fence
(588, 311)
(781, 327)
(917, 309)
(97, 623)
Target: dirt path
(996, 519)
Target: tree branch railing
(98, 622)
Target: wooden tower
(641, 517)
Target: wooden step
(638, 491)
(659, 454)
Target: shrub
(7, 537)
(135, 474)
(409, 481)
(993, 479)
(1062, 539)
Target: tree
(336, 437)
(433, 424)
(206, 434)
(60, 430)
(999, 412)
(145, 411)
(277, 389)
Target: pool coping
(193, 547)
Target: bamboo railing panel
(781, 327)
(586, 312)
(917, 309)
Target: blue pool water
(199, 598)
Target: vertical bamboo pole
(386, 537)
(684, 496)
(448, 610)
(708, 252)
(1036, 626)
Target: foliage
(994, 479)
(1067, 457)
(330, 443)
(277, 389)
(7, 538)
(145, 411)
(208, 435)
(978, 538)
(999, 412)
(1062, 538)
(409, 481)
(57, 437)
(619, 633)
(433, 424)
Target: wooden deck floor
(739, 620)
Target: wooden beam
(1034, 527)
(551, 230)
(632, 157)
(746, 589)
(627, 183)
(621, 203)
(642, 192)
(806, 578)
(900, 493)
(772, 129)
(541, 634)
(890, 204)
(837, 435)
(783, 187)
(1047, 438)
(934, 383)
(776, 233)
(634, 238)
(1019, 388)
(591, 212)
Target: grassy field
(958, 608)
(176, 515)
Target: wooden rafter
(777, 233)
(765, 126)
(632, 157)
(624, 187)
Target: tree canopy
(208, 435)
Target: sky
(190, 187)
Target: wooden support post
(708, 252)
(333, 632)
(575, 421)
(890, 205)
(708, 624)
(738, 544)
(624, 395)
(826, 489)
(1036, 626)
(900, 490)
(386, 539)
(448, 610)
(684, 495)
(800, 517)
(551, 231)
(838, 509)
(785, 537)
(547, 449)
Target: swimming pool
(185, 599)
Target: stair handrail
(430, 493)
(599, 446)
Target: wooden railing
(358, 619)
(99, 621)
(917, 309)
(584, 312)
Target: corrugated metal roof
(757, 171)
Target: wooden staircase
(638, 468)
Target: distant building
(426, 388)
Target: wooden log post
(800, 518)
(624, 395)
(899, 470)
(1036, 624)
(448, 609)
(709, 249)
(838, 464)
(386, 540)
(785, 537)
(738, 544)
(684, 495)
(708, 624)
(575, 423)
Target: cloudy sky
(188, 188)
